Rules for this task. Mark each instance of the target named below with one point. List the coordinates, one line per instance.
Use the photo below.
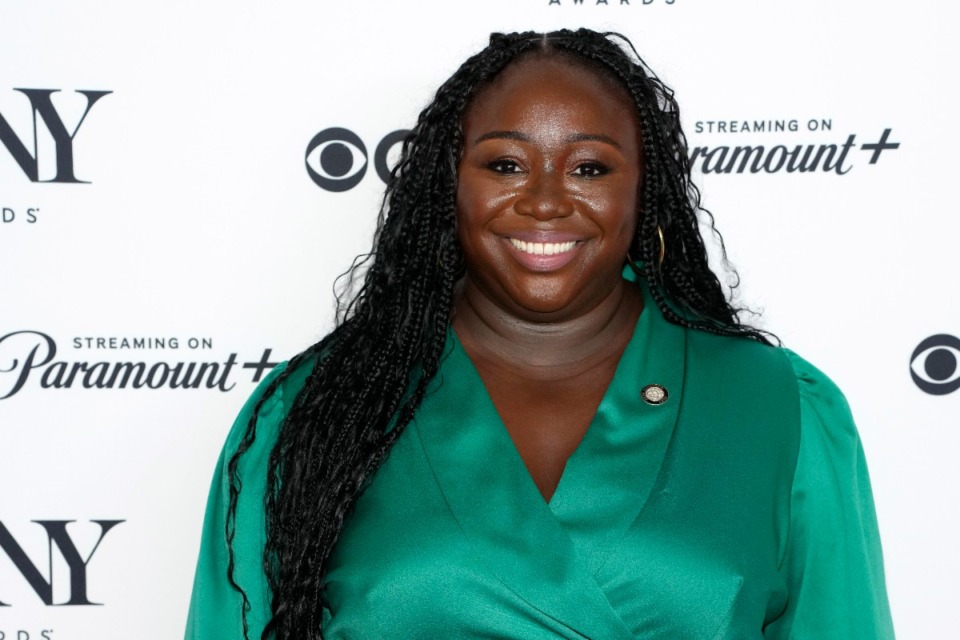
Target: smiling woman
(540, 417)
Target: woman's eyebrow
(502, 135)
(593, 137)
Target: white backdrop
(199, 233)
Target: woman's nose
(544, 196)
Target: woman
(540, 417)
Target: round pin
(654, 394)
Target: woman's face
(547, 188)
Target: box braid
(369, 375)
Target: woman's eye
(503, 166)
(590, 170)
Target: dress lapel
(608, 479)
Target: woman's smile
(544, 255)
(543, 248)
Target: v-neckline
(455, 340)
(546, 552)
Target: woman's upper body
(469, 453)
(740, 507)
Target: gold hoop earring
(663, 246)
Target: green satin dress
(738, 509)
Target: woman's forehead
(541, 87)
(537, 65)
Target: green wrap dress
(740, 508)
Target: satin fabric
(740, 508)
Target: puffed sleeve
(833, 564)
(215, 606)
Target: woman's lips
(544, 254)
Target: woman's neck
(546, 351)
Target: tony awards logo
(49, 123)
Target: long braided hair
(369, 375)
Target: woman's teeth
(543, 248)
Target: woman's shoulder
(813, 385)
(825, 431)
(272, 399)
(826, 422)
(749, 364)
(779, 374)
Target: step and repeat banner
(181, 183)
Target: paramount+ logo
(64, 551)
(49, 125)
(763, 155)
(118, 362)
(337, 159)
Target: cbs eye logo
(337, 159)
(935, 364)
